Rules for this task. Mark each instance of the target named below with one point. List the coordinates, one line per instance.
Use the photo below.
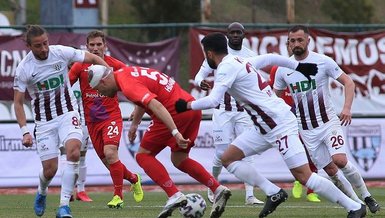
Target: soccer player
(274, 123)
(44, 73)
(320, 128)
(104, 121)
(229, 118)
(297, 186)
(156, 93)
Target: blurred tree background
(221, 12)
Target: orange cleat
(82, 196)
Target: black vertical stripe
(68, 99)
(227, 102)
(265, 118)
(47, 106)
(59, 108)
(255, 121)
(302, 112)
(310, 105)
(36, 107)
(239, 107)
(322, 108)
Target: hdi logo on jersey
(365, 144)
(302, 86)
(51, 83)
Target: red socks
(116, 172)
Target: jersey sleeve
(116, 64)
(20, 81)
(71, 54)
(74, 73)
(279, 82)
(203, 72)
(136, 92)
(265, 60)
(225, 75)
(272, 75)
(332, 68)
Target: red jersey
(286, 95)
(97, 107)
(140, 85)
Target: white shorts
(85, 139)
(227, 125)
(51, 134)
(283, 137)
(323, 142)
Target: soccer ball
(195, 207)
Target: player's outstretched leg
(222, 194)
(272, 202)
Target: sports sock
(156, 171)
(355, 178)
(128, 175)
(343, 184)
(247, 173)
(217, 167)
(70, 174)
(116, 172)
(198, 172)
(43, 183)
(327, 189)
(249, 189)
(82, 174)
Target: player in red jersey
(104, 121)
(156, 93)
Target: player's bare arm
(346, 114)
(94, 59)
(279, 93)
(135, 117)
(20, 117)
(161, 113)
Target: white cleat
(251, 200)
(222, 194)
(210, 195)
(172, 204)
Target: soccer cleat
(358, 213)
(40, 202)
(372, 204)
(313, 197)
(297, 190)
(272, 203)
(82, 196)
(210, 195)
(116, 202)
(251, 200)
(220, 201)
(137, 190)
(172, 204)
(64, 212)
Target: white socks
(343, 184)
(327, 189)
(43, 183)
(82, 174)
(70, 172)
(248, 174)
(355, 178)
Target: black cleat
(358, 213)
(372, 204)
(272, 203)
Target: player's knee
(331, 169)
(340, 162)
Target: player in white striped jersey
(44, 73)
(274, 124)
(229, 118)
(319, 125)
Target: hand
(182, 142)
(345, 117)
(205, 85)
(27, 140)
(181, 106)
(132, 133)
(307, 69)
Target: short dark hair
(96, 33)
(33, 31)
(295, 28)
(215, 42)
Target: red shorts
(158, 136)
(107, 132)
